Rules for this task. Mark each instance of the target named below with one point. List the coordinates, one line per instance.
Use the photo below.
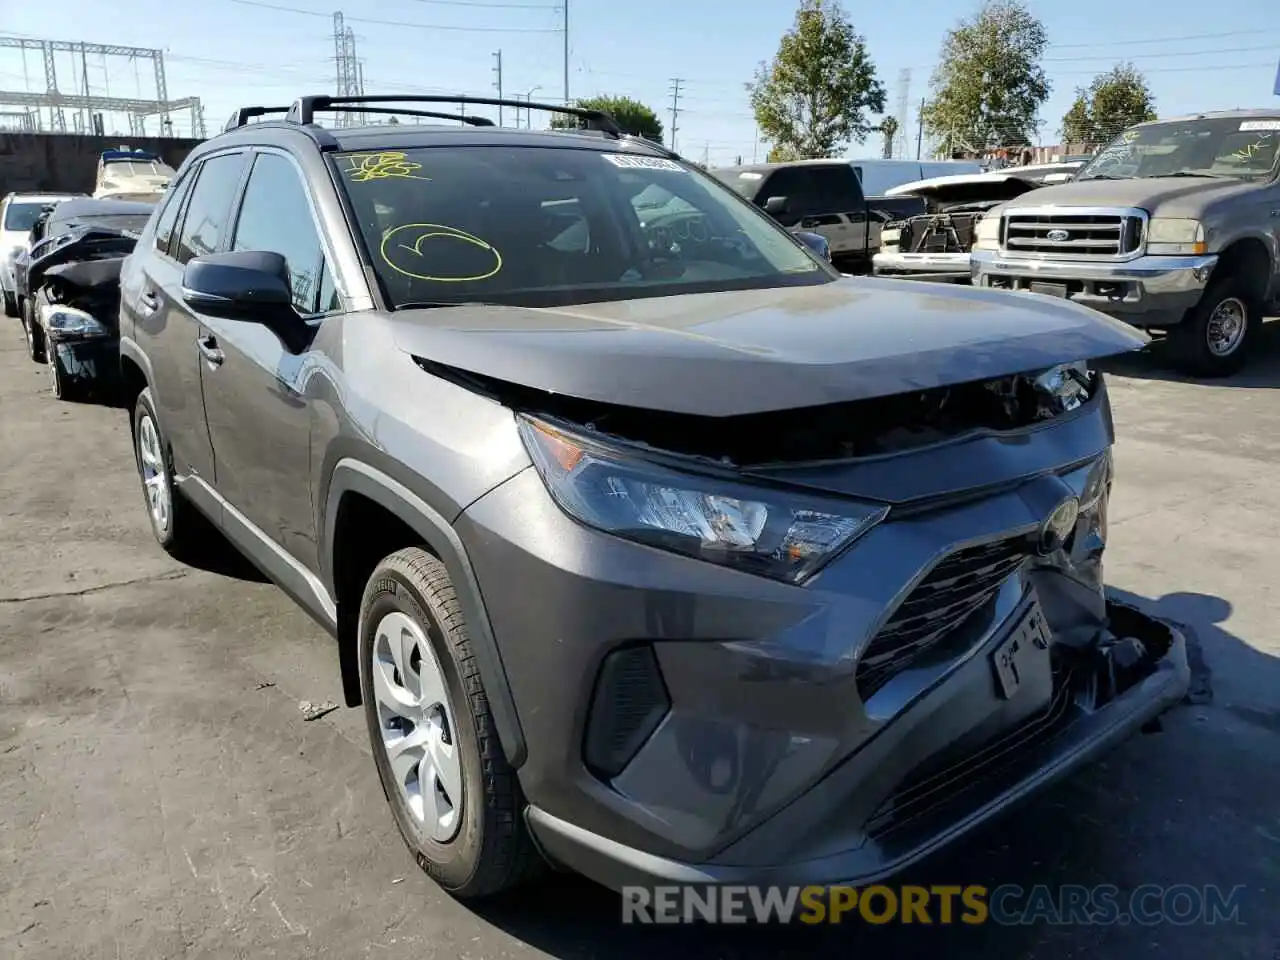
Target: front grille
(1087, 235)
(960, 585)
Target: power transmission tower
(497, 73)
(84, 100)
(346, 65)
(675, 108)
(899, 148)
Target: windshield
(540, 226)
(137, 168)
(22, 216)
(1242, 149)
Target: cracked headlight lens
(766, 532)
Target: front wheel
(62, 386)
(10, 304)
(35, 336)
(454, 797)
(1217, 335)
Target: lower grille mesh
(952, 592)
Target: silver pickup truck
(1173, 227)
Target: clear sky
(1196, 55)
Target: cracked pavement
(163, 795)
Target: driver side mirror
(776, 206)
(816, 243)
(248, 285)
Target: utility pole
(920, 129)
(566, 52)
(497, 72)
(675, 108)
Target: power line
(1152, 56)
(491, 6)
(390, 23)
(1129, 43)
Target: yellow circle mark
(427, 231)
(382, 166)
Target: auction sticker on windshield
(643, 163)
(1252, 125)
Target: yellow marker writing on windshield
(402, 249)
(363, 167)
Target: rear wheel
(174, 521)
(454, 797)
(1216, 336)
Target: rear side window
(205, 224)
(837, 188)
(22, 216)
(169, 213)
(276, 216)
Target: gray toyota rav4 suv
(653, 547)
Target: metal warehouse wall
(62, 162)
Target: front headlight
(986, 235)
(1167, 236)
(765, 532)
(890, 236)
(69, 322)
(1068, 384)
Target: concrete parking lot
(162, 795)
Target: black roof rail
(245, 114)
(304, 108)
(433, 114)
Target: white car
(18, 213)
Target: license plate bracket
(1011, 662)
(1049, 289)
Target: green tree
(633, 116)
(816, 95)
(989, 85)
(888, 130)
(1113, 102)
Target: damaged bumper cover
(839, 844)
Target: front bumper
(1147, 291)
(750, 740)
(93, 363)
(941, 267)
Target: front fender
(439, 536)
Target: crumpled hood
(1159, 196)
(80, 248)
(725, 354)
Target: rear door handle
(148, 304)
(208, 347)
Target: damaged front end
(936, 642)
(75, 284)
(936, 244)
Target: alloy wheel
(416, 720)
(155, 476)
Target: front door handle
(148, 304)
(208, 347)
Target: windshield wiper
(1208, 176)
(1105, 176)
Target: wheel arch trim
(355, 476)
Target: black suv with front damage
(654, 558)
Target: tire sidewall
(145, 407)
(451, 864)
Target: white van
(880, 176)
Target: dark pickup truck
(824, 197)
